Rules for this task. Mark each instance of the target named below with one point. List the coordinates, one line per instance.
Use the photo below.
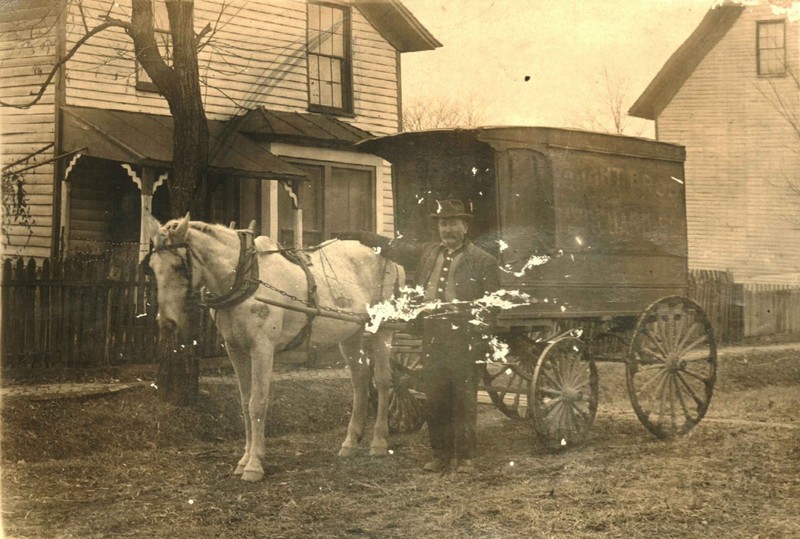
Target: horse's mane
(218, 232)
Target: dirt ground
(129, 466)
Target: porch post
(294, 190)
(147, 184)
(66, 198)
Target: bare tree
(442, 112)
(178, 81)
(611, 115)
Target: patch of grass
(722, 480)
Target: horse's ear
(178, 235)
(153, 228)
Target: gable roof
(685, 60)
(397, 25)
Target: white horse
(349, 276)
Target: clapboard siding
(741, 157)
(257, 59)
(27, 53)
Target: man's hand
(349, 235)
(370, 239)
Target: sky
(563, 46)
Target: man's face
(452, 231)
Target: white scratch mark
(503, 245)
(578, 240)
(677, 180)
(141, 315)
(533, 261)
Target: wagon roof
(505, 137)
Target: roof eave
(684, 61)
(397, 25)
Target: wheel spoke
(691, 346)
(687, 335)
(653, 379)
(679, 393)
(697, 376)
(698, 401)
(649, 334)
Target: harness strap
(245, 282)
(304, 335)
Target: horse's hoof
(347, 451)
(380, 451)
(239, 469)
(252, 475)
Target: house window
(771, 52)
(329, 62)
(164, 43)
(335, 199)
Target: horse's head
(171, 263)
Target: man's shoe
(436, 465)
(465, 466)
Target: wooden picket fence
(745, 311)
(722, 300)
(76, 313)
(771, 310)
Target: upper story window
(164, 42)
(771, 47)
(329, 58)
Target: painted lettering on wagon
(614, 206)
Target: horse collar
(246, 281)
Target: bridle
(246, 275)
(186, 261)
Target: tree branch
(111, 23)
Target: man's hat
(451, 208)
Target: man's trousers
(450, 352)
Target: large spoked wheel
(507, 382)
(672, 366)
(563, 394)
(407, 411)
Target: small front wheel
(563, 394)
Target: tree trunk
(178, 375)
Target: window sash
(771, 47)
(328, 56)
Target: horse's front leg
(359, 379)
(241, 366)
(379, 353)
(261, 359)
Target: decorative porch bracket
(147, 184)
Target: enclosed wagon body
(593, 228)
(588, 224)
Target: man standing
(453, 269)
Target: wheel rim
(563, 395)
(507, 385)
(672, 366)
(407, 411)
(508, 382)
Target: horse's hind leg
(359, 378)
(241, 366)
(379, 354)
